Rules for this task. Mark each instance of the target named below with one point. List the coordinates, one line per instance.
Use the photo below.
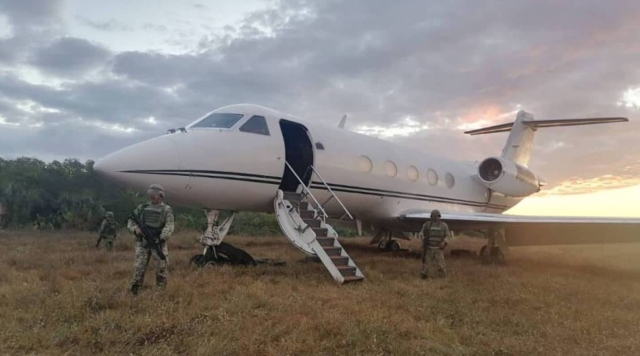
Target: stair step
(340, 260)
(326, 241)
(347, 270)
(312, 222)
(304, 205)
(292, 197)
(353, 279)
(332, 250)
(320, 232)
(307, 214)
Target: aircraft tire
(198, 260)
(227, 253)
(495, 256)
(392, 245)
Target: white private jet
(251, 158)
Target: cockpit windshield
(218, 121)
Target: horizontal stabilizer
(548, 123)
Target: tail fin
(518, 146)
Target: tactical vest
(110, 228)
(153, 217)
(435, 235)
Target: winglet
(343, 121)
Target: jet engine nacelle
(508, 178)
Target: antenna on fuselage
(343, 121)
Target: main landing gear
(496, 250)
(384, 240)
(389, 245)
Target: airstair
(303, 221)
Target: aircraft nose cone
(137, 166)
(105, 165)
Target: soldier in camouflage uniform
(434, 236)
(158, 219)
(108, 231)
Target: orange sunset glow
(620, 202)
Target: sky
(83, 78)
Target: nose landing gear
(217, 252)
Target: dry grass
(59, 296)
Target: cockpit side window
(257, 125)
(218, 121)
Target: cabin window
(432, 177)
(319, 146)
(218, 121)
(449, 180)
(257, 125)
(364, 164)
(390, 169)
(412, 173)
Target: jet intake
(508, 178)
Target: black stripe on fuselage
(257, 178)
(236, 177)
(205, 173)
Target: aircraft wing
(539, 230)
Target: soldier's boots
(161, 282)
(135, 289)
(441, 274)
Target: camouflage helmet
(109, 214)
(435, 214)
(157, 188)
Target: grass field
(59, 296)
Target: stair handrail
(331, 191)
(307, 190)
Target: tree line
(70, 195)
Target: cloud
(69, 56)
(577, 185)
(32, 14)
(31, 23)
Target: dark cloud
(445, 64)
(69, 56)
(84, 139)
(32, 14)
(8, 48)
(32, 23)
(111, 101)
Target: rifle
(99, 239)
(148, 236)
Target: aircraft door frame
(300, 160)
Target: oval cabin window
(432, 177)
(364, 164)
(412, 173)
(449, 180)
(390, 169)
